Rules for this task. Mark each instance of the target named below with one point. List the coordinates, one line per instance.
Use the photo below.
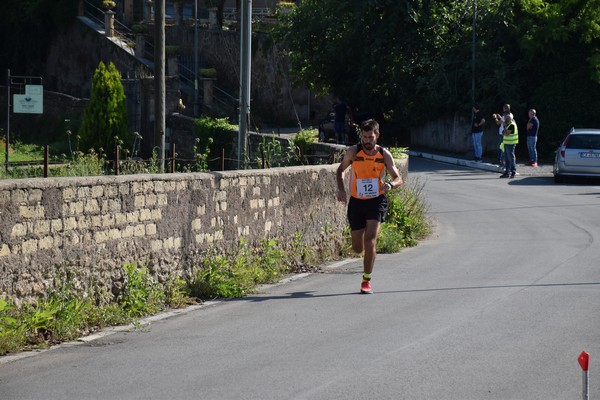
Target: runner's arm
(346, 162)
(392, 170)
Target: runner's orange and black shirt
(367, 174)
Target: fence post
(117, 154)
(46, 151)
(223, 159)
(172, 157)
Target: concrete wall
(453, 135)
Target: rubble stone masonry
(87, 228)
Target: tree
(412, 60)
(405, 59)
(561, 42)
(105, 117)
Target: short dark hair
(369, 125)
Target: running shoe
(365, 287)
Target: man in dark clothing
(477, 133)
(339, 122)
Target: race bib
(367, 188)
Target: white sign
(37, 90)
(32, 102)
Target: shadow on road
(311, 294)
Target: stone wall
(273, 95)
(87, 228)
(95, 224)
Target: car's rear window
(584, 141)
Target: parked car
(578, 155)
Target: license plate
(589, 155)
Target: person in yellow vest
(368, 203)
(509, 141)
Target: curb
(451, 160)
(543, 171)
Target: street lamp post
(196, 66)
(159, 80)
(473, 53)
(245, 64)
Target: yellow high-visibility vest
(513, 138)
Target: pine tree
(105, 118)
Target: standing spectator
(500, 122)
(477, 133)
(339, 121)
(510, 134)
(533, 126)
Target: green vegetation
(66, 312)
(105, 118)
(214, 135)
(412, 61)
(271, 153)
(21, 152)
(78, 164)
(301, 145)
(406, 220)
(208, 73)
(399, 153)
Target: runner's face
(368, 139)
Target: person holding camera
(510, 138)
(499, 119)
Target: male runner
(368, 204)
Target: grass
(21, 153)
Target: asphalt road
(497, 304)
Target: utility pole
(245, 66)
(159, 80)
(196, 63)
(473, 54)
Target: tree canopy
(412, 60)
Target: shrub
(105, 116)
(301, 145)
(406, 219)
(214, 135)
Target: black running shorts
(359, 211)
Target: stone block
(19, 230)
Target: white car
(578, 155)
